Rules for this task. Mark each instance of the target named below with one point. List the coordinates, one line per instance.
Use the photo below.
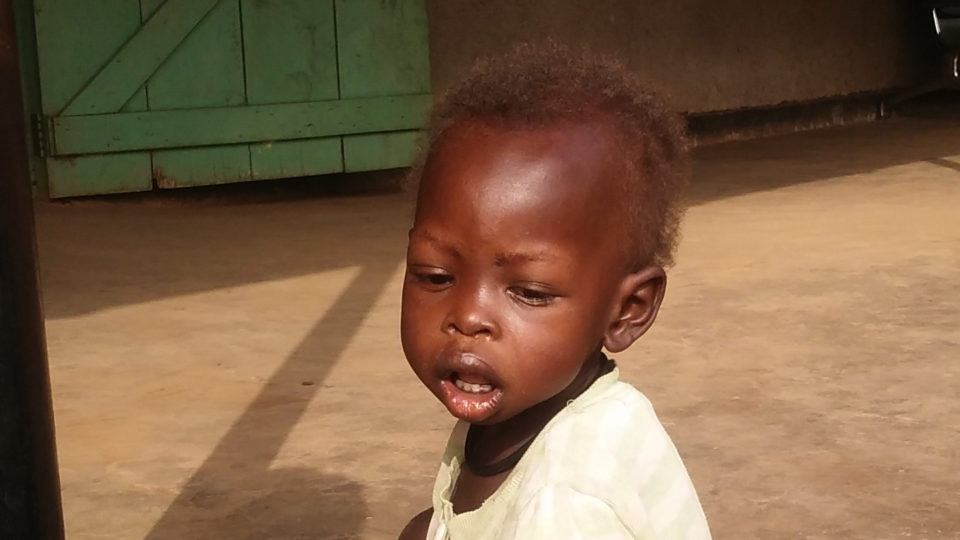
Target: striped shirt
(602, 468)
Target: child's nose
(471, 313)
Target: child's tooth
(473, 388)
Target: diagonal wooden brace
(139, 57)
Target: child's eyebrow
(515, 257)
(437, 242)
(499, 259)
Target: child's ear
(639, 297)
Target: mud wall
(708, 55)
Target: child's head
(548, 204)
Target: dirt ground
(232, 369)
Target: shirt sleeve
(561, 512)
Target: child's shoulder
(613, 450)
(616, 427)
(612, 446)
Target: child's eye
(532, 297)
(434, 279)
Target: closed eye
(433, 279)
(532, 297)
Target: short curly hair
(542, 84)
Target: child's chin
(476, 408)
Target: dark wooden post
(29, 480)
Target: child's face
(514, 265)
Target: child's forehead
(557, 181)
(569, 157)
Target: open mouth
(469, 388)
(473, 388)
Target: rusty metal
(41, 135)
(29, 480)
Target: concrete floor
(227, 369)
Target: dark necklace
(472, 462)
(492, 469)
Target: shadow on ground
(221, 504)
(295, 503)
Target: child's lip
(472, 407)
(469, 367)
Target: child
(547, 207)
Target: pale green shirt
(602, 468)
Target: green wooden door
(138, 94)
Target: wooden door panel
(205, 70)
(291, 58)
(290, 51)
(139, 57)
(202, 166)
(168, 93)
(382, 48)
(75, 38)
(288, 159)
(107, 173)
(123, 132)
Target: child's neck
(497, 442)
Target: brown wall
(708, 55)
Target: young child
(547, 207)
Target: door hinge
(41, 134)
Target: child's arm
(418, 526)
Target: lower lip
(469, 406)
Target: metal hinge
(41, 134)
